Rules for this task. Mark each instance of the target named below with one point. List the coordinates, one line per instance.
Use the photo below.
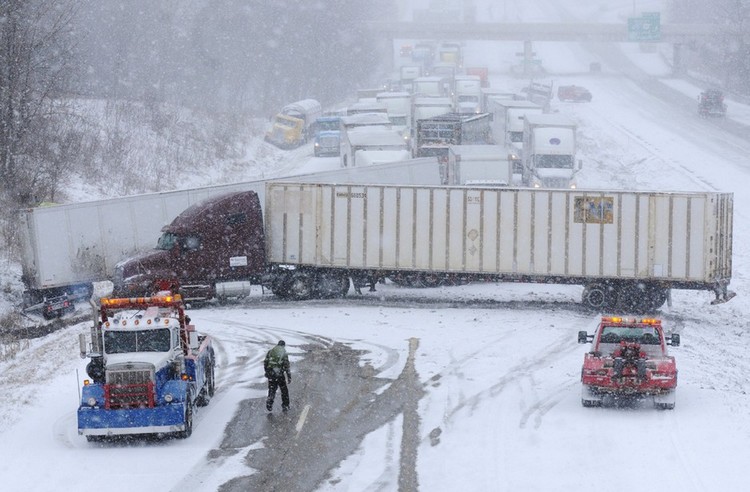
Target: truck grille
(129, 389)
(555, 182)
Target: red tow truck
(628, 359)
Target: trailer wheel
(301, 287)
(654, 298)
(184, 434)
(429, 280)
(332, 284)
(599, 297)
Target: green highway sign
(645, 28)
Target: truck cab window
(191, 243)
(166, 241)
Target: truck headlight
(91, 401)
(168, 398)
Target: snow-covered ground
(499, 364)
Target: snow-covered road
(499, 364)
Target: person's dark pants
(273, 384)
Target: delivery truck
(310, 240)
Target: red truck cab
(629, 359)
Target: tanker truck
(292, 127)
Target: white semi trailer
(627, 248)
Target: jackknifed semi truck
(67, 249)
(309, 240)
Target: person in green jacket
(276, 367)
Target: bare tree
(727, 57)
(35, 52)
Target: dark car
(573, 93)
(711, 103)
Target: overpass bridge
(576, 32)
(678, 35)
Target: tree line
(246, 58)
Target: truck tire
(184, 434)
(430, 280)
(600, 297)
(301, 287)
(330, 284)
(204, 397)
(654, 298)
(211, 384)
(589, 398)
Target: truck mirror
(194, 342)
(583, 337)
(674, 340)
(82, 344)
(580, 164)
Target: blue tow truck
(149, 369)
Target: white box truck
(549, 151)
(478, 165)
(365, 139)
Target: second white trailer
(627, 248)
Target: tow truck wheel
(665, 401)
(211, 381)
(188, 431)
(589, 398)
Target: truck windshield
(166, 241)
(327, 125)
(554, 161)
(120, 342)
(515, 136)
(187, 243)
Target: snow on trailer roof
(513, 103)
(463, 117)
(304, 106)
(550, 119)
(432, 101)
(365, 119)
(380, 157)
(392, 95)
(376, 137)
(478, 151)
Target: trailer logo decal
(594, 210)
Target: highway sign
(645, 28)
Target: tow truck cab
(628, 357)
